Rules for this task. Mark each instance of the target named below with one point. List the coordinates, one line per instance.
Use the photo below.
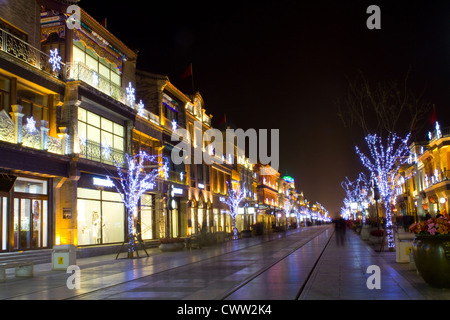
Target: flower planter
(177, 246)
(365, 232)
(432, 259)
(375, 240)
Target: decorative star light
(31, 125)
(141, 107)
(55, 60)
(83, 141)
(106, 150)
(430, 136)
(131, 98)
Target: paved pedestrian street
(305, 264)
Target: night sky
(284, 64)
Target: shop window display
(101, 217)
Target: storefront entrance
(30, 223)
(4, 222)
(30, 214)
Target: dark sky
(283, 64)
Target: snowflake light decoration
(83, 141)
(131, 97)
(55, 60)
(174, 125)
(438, 131)
(106, 150)
(141, 107)
(31, 125)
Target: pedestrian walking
(340, 229)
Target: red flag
(223, 120)
(187, 73)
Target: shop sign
(177, 191)
(102, 182)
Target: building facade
(72, 107)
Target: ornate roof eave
(168, 85)
(57, 5)
(108, 36)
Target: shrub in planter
(171, 240)
(171, 244)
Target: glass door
(30, 223)
(3, 223)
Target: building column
(44, 134)
(65, 204)
(17, 117)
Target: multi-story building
(67, 116)
(72, 106)
(423, 185)
(268, 211)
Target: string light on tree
(140, 176)
(384, 163)
(356, 192)
(234, 199)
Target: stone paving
(248, 268)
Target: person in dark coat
(340, 229)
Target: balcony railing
(80, 71)
(147, 115)
(15, 131)
(95, 151)
(28, 54)
(438, 177)
(438, 134)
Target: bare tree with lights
(382, 110)
(137, 175)
(234, 199)
(384, 163)
(356, 191)
(288, 206)
(384, 107)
